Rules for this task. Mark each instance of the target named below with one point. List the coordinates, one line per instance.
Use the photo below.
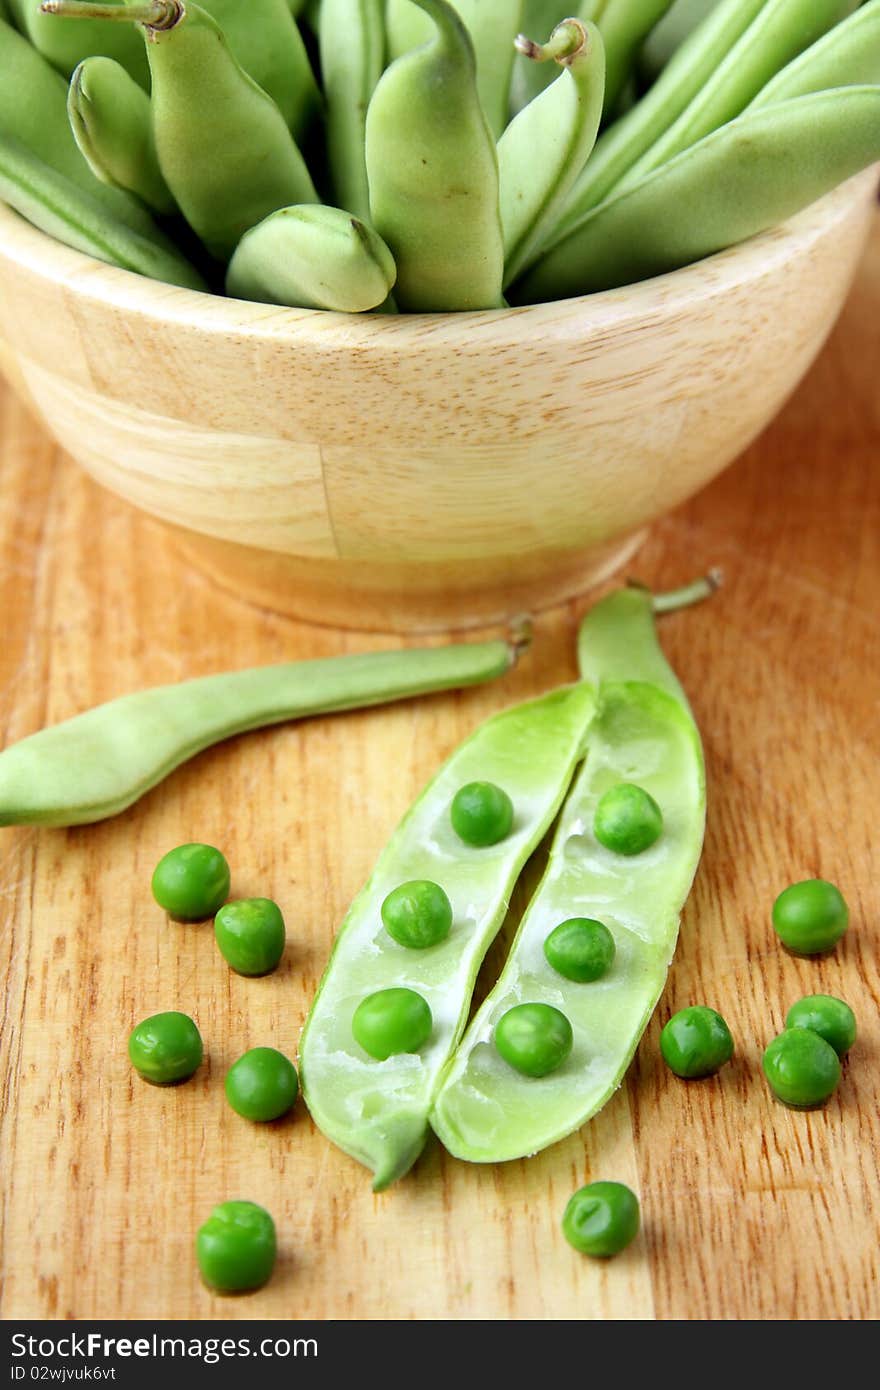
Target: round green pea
(250, 934)
(810, 917)
(696, 1042)
(580, 949)
(165, 1048)
(392, 1021)
(481, 814)
(831, 1018)
(417, 914)
(802, 1068)
(262, 1084)
(236, 1247)
(601, 1218)
(628, 819)
(191, 882)
(535, 1039)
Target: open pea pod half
(377, 1110)
(643, 734)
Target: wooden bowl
(417, 471)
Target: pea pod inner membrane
(378, 1111)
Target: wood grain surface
(750, 1210)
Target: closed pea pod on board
(488, 1110)
(312, 257)
(751, 174)
(378, 1110)
(100, 762)
(224, 148)
(111, 123)
(433, 174)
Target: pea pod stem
(155, 14)
(98, 763)
(695, 592)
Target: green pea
(628, 819)
(534, 1039)
(601, 1218)
(391, 1021)
(262, 1084)
(418, 914)
(696, 1042)
(802, 1068)
(236, 1247)
(481, 814)
(250, 935)
(831, 1018)
(191, 882)
(810, 917)
(581, 949)
(165, 1048)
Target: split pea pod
(433, 174)
(110, 118)
(100, 762)
(265, 39)
(33, 111)
(627, 139)
(494, 1104)
(847, 56)
(492, 25)
(374, 1102)
(352, 44)
(545, 147)
(312, 257)
(748, 176)
(782, 30)
(223, 146)
(67, 212)
(66, 47)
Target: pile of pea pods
(427, 155)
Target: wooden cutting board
(750, 1210)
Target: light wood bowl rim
(72, 271)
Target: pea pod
(624, 26)
(433, 174)
(100, 762)
(847, 56)
(312, 257)
(679, 22)
(65, 47)
(748, 176)
(782, 30)
(224, 148)
(488, 1110)
(352, 43)
(67, 212)
(378, 1110)
(492, 26)
(265, 39)
(33, 111)
(545, 147)
(626, 140)
(110, 119)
